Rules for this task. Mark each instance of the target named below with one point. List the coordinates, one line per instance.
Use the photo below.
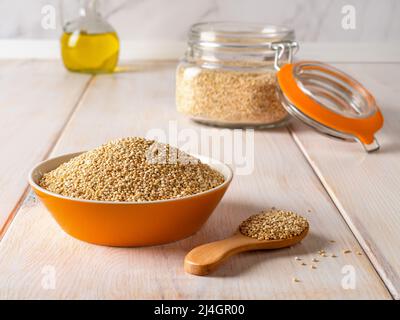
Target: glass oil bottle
(89, 43)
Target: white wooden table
(349, 196)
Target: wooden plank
(366, 187)
(35, 248)
(36, 100)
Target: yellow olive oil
(92, 53)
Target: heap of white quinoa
(131, 169)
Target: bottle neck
(88, 21)
(89, 8)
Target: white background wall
(168, 20)
(141, 22)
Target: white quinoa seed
(273, 225)
(228, 96)
(131, 169)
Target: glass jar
(88, 43)
(228, 75)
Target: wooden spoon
(207, 257)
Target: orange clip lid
(330, 101)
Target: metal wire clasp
(280, 48)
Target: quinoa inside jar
(228, 75)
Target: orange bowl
(127, 224)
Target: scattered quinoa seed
(131, 169)
(295, 280)
(313, 267)
(297, 259)
(303, 264)
(322, 253)
(273, 225)
(359, 253)
(315, 260)
(332, 241)
(346, 251)
(334, 255)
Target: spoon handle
(205, 258)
